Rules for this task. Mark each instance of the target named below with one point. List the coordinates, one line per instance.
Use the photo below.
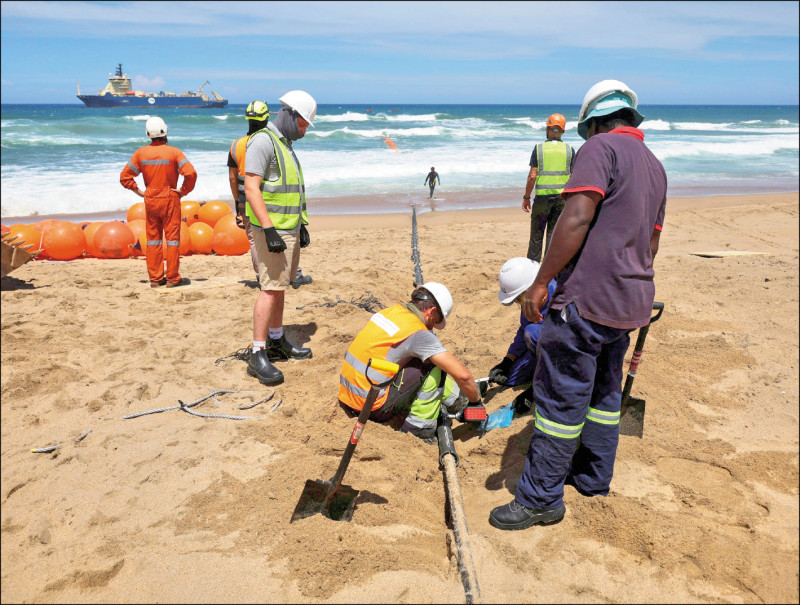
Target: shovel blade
(632, 421)
(339, 505)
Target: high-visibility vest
(553, 159)
(384, 329)
(238, 152)
(284, 197)
(438, 389)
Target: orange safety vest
(238, 149)
(384, 329)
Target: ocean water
(66, 159)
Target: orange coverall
(160, 166)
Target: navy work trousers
(577, 389)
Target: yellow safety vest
(553, 159)
(284, 197)
(384, 329)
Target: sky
(406, 52)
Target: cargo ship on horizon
(118, 93)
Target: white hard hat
(155, 127)
(442, 297)
(516, 276)
(604, 98)
(302, 102)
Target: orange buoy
(88, 234)
(190, 212)
(113, 240)
(137, 227)
(4, 229)
(63, 241)
(211, 212)
(202, 238)
(136, 212)
(229, 240)
(27, 235)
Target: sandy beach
(171, 507)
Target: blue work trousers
(577, 389)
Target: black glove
(275, 242)
(240, 214)
(305, 238)
(499, 373)
(523, 402)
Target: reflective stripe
(172, 242)
(265, 186)
(424, 397)
(361, 368)
(420, 423)
(155, 162)
(553, 173)
(563, 431)
(182, 162)
(601, 417)
(357, 390)
(133, 167)
(155, 242)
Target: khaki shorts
(276, 270)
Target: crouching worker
(430, 377)
(516, 368)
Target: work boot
(184, 281)
(160, 282)
(300, 279)
(524, 401)
(260, 367)
(516, 516)
(283, 349)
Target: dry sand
(170, 507)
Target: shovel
(632, 410)
(331, 498)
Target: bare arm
(654, 240)
(568, 236)
(233, 181)
(451, 366)
(531, 182)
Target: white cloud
(682, 26)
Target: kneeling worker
(429, 375)
(519, 363)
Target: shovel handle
(363, 417)
(638, 349)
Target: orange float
(88, 234)
(136, 212)
(137, 227)
(190, 212)
(63, 241)
(202, 238)
(4, 229)
(28, 235)
(229, 240)
(113, 240)
(211, 212)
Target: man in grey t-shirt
(276, 207)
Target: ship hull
(132, 101)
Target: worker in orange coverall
(160, 166)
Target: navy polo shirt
(610, 279)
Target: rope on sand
(45, 450)
(366, 301)
(186, 407)
(418, 281)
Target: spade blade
(632, 420)
(316, 498)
